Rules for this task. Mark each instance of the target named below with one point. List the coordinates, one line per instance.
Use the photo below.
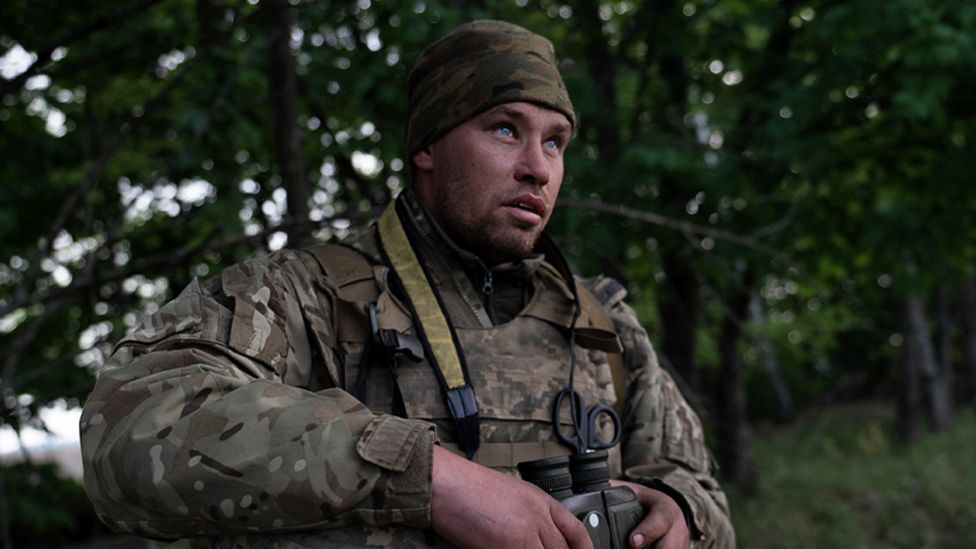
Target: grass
(842, 480)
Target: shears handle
(585, 437)
(594, 442)
(577, 439)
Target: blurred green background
(785, 188)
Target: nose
(532, 166)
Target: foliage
(821, 149)
(814, 132)
(840, 479)
(48, 507)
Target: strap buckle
(397, 342)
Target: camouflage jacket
(227, 416)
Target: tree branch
(684, 227)
(779, 224)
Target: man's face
(492, 182)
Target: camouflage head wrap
(480, 65)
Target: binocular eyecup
(563, 476)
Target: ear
(423, 160)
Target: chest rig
(508, 374)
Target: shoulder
(245, 307)
(607, 291)
(358, 250)
(302, 272)
(276, 275)
(267, 267)
(324, 264)
(611, 294)
(349, 268)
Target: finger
(550, 537)
(571, 529)
(651, 529)
(551, 541)
(550, 534)
(673, 540)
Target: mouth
(528, 208)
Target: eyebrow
(558, 127)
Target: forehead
(530, 113)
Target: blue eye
(551, 143)
(505, 130)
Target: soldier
(301, 400)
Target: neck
(467, 274)
(423, 193)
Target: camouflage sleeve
(202, 422)
(663, 443)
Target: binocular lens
(564, 476)
(590, 472)
(550, 474)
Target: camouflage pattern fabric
(663, 436)
(480, 65)
(225, 416)
(222, 415)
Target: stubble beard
(494, 245)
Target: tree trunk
(909, 390)
(943, 338)
(919, 351)
(679, 304)
(279, 19)
(5, 536)
(969, 334)
(784, 400)
(734, 447)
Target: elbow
(115, 481)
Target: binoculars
(581, 483)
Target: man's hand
(664, 525)
(474, 506)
